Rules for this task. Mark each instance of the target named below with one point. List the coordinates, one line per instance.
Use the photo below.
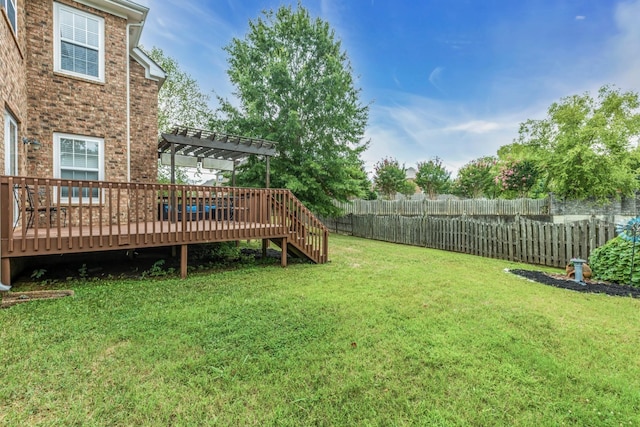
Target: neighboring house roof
(410, 173)
(215, 181)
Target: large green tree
(476, 178)
(181, 102)
(295, 86)
(390, 178)
(433, 178)
(584, 147)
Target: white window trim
(56, 162)
(3, 4)
(8, 121)
(57, 7)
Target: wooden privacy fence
(522, 240)
(446, 207)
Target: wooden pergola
(186, 146)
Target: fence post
(592, 234)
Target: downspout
(128, 56)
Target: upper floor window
(10, 7)
(79, 43)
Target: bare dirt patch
(12, 298)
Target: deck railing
(44, 216)
(306, 233)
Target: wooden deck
(78, 239)
(41, 217)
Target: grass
(383, 335)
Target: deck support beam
(183, 261)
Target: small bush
(156, 270)
(214, 252)
(612, 262)
(37, 274)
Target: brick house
(79, 148)
(79, 98)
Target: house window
(79, 43)
(10, 7)
(78, 157)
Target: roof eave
(152, 70)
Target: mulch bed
(560, 281)
(12, 298)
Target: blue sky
(446, 78)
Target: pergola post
(233, 175)
(173, 212)
(173, 163)
(268, 177)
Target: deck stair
(307, 236)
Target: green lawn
(382, 335)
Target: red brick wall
(66, 104)
(13, 89)
(144, 125)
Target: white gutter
(128, 56)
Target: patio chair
(32, 211)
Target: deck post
(265, 246)
(5, 273)
(283, 257)
(183, 261)
(5, 263)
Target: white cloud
(396, 80)
(476, 126)
(435, 78)
(580, 18)
(626, 47)
(418, 128)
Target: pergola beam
(218, 144)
